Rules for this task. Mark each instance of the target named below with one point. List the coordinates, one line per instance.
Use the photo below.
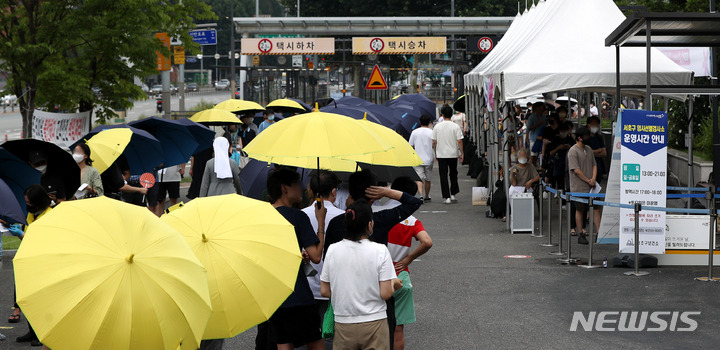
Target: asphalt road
(469, 296)
(11, 121)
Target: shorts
(297, 325)
(171, 189)
(366, 335)
(424, 172)
(581, 207)
(404, 301)
(152, 194)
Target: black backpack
(498, 201)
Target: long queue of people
(565, 156)
(356, 252)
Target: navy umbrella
(18, 176)
(419, 100)
(144, 152)
(10, 210)
(253, 178)
(60, 163)
(408, 117)
(375, 113)
(388, 173)
(177, 143)
(203, 135)
(352, 101)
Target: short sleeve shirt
(302, 295)
(583, 159)
(597, 142)
(400, 238)
(524, 174)
(447, 135)
(421, 139)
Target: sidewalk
(469, 296)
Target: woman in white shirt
(358, 276)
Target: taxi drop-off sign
(643, 179)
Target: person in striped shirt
(400, 247)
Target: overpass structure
(348, 26)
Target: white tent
(559, 45)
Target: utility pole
(454, 54)
(714, 108)
(232, 50)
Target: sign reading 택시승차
(643, 177)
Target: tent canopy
(559, 45)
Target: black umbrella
(203, 135)
(388, 173)
(459, 104)
(60, 163)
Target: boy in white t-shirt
(421, 139)
(358, 276)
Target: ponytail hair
(357, 217)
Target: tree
(79, 45)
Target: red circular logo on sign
(265, 45)
(485, 44)
(377, 44)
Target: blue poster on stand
(643, 176)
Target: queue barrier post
(549, 222)
(540, 207)
(591, 240)
(711, 244)
(569, 258)
(559, 252)
(637, 272)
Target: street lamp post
(232, 49)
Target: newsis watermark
(635, 321)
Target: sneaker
(447, 201)
(452, 199)
(427, 199)
(582, 239)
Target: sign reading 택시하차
(287, 46)
(643, 174)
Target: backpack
(499, 200)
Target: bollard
(711, 244)
(637, 272)
(560, 245)
(549, 220)
(569, 258)
(591, 240)
(540, 209)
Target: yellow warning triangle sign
(376, 81)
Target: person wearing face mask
(222, 174)
(88, 175)
(534, 121)
(583, 175)
(524, 174)
(38, 204)
(597, 143)
(53, 185)
(269, 117)
(562, 113)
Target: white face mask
(78, 157)
(41, 168)
(563, 134)
(594, 129)
(522, 160)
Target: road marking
(517, 256)
(434, 211)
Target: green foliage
(202, 105)
(57, 51)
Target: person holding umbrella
(295, 323)
(52, 184)
(222, 175)
(88, 175)
(38, 204)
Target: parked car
(222, 84)
(156, 90)
(192, 87)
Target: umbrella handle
(319, 202)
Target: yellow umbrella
(251, 255)
(400, 155)
(107, 145)
(215, 116)
(103, 274)
(238, 106)
(286, 105)
(317, 140)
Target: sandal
(14, 318)
(572, 232)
